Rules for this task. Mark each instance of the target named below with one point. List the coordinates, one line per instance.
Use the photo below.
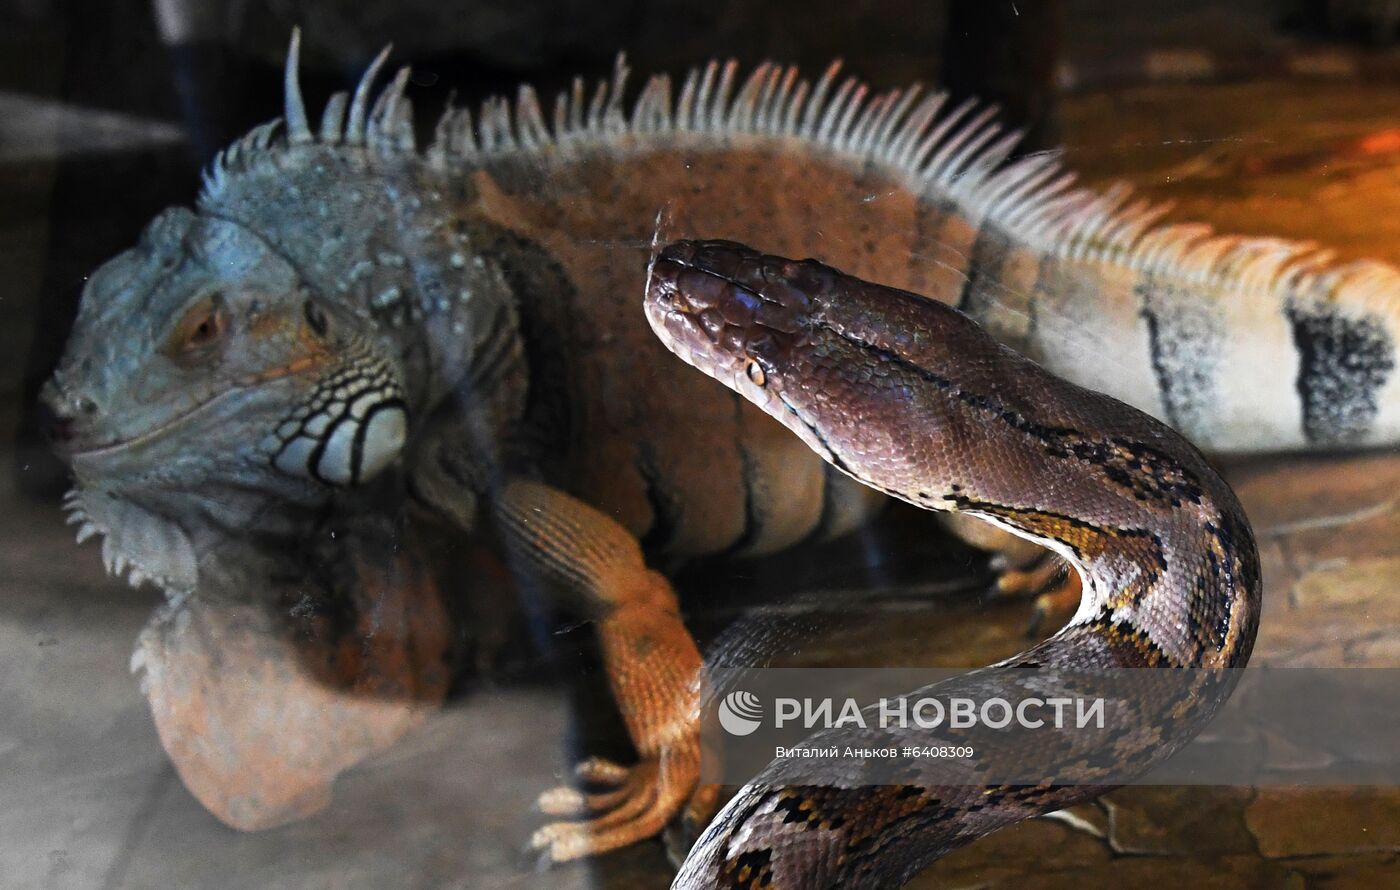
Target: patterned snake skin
(912, 398)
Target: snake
(913, 398)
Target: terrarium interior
(180, 737)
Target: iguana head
(203, 377)
(268, 348)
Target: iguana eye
(315, 318)
(203, 326)
(755, 372)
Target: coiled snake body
(911, 397)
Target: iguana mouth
(117, 446)
(112, 447)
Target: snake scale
(911, 397)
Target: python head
(202, 378)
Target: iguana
(458, 326)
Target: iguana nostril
(62, 413)
(54, 426)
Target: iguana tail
(1241, 343)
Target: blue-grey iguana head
(204, 375)
(233, 359)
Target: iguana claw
(633, 803)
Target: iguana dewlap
(350, 319)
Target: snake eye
(755, 372)
(202, 327)
(315, 318)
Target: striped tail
(1243, 344)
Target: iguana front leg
(652, 665)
